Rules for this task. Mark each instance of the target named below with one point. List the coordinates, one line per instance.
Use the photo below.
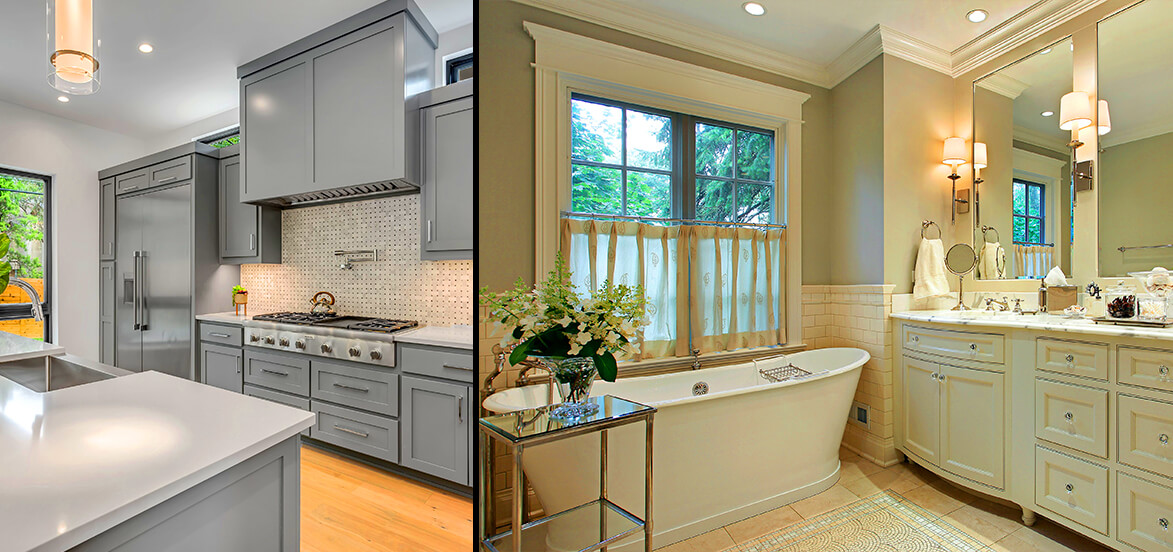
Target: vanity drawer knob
(1069, 416)
(1164, 523)
(1163, 370)
(973, 346)
(1069, 358)
(916, 339)
(1163, 438)
(934, 375)
(942, 377)
(1070, 488)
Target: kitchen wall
(452, 42)
(72, 153)
(398, 285)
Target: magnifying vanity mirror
(1023, 203)
(1135, 74)
(960, 260)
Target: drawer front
(1145, 434)
(131, 181)
(366, 388)
(1072, 415)
(279, 372)
(224, 335)
(1144, 514)
(1072, 488)
(168, 172)
(377, 436)
(436, 361)
(280, 398)
(1089, 360)
(964, 345)
(1145, 367)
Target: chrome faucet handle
(1018, 306)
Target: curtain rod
(686, 222)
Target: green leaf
(519, 353)
(5, 241)
(606, 366)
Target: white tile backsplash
(398, 285)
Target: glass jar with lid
(1121, 301)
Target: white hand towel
(993, 263)
(930, 270)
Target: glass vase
(573, 378)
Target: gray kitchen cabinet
(435, 428)
(248, 233)
(106, 237)
(223, 366)
(324, 118)
(446, 123)
(106, 311)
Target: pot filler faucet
(38, 314)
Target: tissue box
(1061, 297)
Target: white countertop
(225, 317)
(458, 337)
(76, 462)
(15, 347)
(1045, 322)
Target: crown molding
(1040, 139)
(1155, 127)
(1023, 27)
(1004, 85)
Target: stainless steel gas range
(353, 338)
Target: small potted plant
(240, 298)
(575, 338)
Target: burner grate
(383, 325)
(295, 317)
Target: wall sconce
(1075, 115)
(1103, 120)
(979, 161)
(954, 155)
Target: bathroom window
(1030, 213)
(24, 217)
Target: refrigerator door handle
(134, 290)
(142, 301)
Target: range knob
(376, 354)
(354, 351)
(284, 341)
(300, 344)
(326, 348)
(268, 340)
(254, 338)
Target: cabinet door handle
(275, 372)
(352, 431)
(934, 376)
(220, 335)
(460, 409)
(252, 242)
(941, 378)
(352, 388)
(429, 230)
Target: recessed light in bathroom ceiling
(754, 8)
(977, 16)
(146, 48)
(63, 99)
(1048, 113)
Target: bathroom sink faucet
(38, 314)
(1003, 305)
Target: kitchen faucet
(38, 313)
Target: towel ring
(988, 228)
(924, 226)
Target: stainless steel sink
(50, 373)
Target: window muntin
(734, 174)
(24, 216)
(1029, 213)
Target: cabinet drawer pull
(934, 376)
(168, 179)
(941, 378)
(352, 431)
(1069, 416)
(973, 346)
(1070, 359)
(275, 372)
(1070, 488)
(451, 367)
(1163, 438)
(1164, 523)
(220, 335)
(352, 388)
(916, 339)
(1163, 370)
(129, 188)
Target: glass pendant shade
(1103, 120)
(72, 46)
(1075, 111)
(954, 153)
(979, 155)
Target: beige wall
(506, 183)
(1135, 205)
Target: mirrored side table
(527, 428)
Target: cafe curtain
(1033, 261)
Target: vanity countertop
(81, 460)
(458, 337)
(1044, 322)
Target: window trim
(23, 311)
(454, 62)
(1042, 217)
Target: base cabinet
(222, 367)
(436, 428)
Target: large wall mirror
(1022, 198)
(1135, 76)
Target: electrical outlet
(860, 415)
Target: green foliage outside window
(22, 218)
(226, 141)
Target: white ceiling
(819, 31)
(192, 73)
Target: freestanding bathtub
(744, 447)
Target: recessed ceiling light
(1046, 51)
(1048, 113)
(977, 16)
(753, 8)
(63, 99)
(146, 48)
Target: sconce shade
(1104, 121)
(1087, 151)
(979, 155)
(954, 151)
(1075, 111)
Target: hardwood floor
(351, 507)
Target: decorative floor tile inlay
(882, 522)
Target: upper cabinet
(446, 137)
(325, 118)
(248, 233)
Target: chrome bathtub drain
(700, 388)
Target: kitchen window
(24, 214)
(684, 206)
(458, 68)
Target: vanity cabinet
(446, 119)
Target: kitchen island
(149, 462)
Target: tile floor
(993, 524)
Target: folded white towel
(930, 270)
(993, 261)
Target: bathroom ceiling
(192, 73)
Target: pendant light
(72, 46)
